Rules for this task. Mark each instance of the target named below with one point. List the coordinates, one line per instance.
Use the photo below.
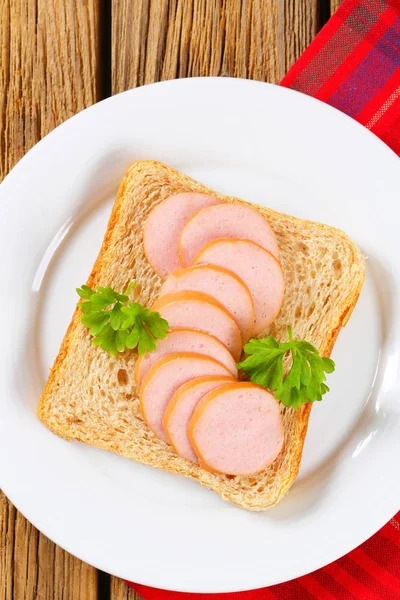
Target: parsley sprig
(305, 379)
(116, 324)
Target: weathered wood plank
(297, 25)
(121, 591)
(48, 71)
(335, 5)
(32, 567)
(153, 40)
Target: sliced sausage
(234, 221)
(165, 377)
(221, 284)
(180, 410)
(236, 429)
(185, 340)
(163, 228)
(193, 310)
(260, 271)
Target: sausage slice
(259, 270)
(180, 410)
(235, 221)
(165, 377)
(236, 429)
(185, 340)
(163, 228)
(221, 284)
(194, 310)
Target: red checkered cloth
(354, 65)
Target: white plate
(266, 144)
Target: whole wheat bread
(91, 396)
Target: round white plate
(268, 145)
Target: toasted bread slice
(91, 396)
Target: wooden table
(57, 58)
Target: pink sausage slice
(236, 221)
(193, 310)
(260, 271)
(163, 228)
(236, 429)
(180, 410)
(185, 340)
(165, 377)
(221, 284)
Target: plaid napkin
(354, 65)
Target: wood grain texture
(121, 591)
(153, 40)
(33, 568)
(48, 71)
(335, 5)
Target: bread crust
(83, 400)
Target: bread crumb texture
(91, 397)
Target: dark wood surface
(60, 56)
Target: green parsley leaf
(116, 316)
(155, 323)
(305, 380)
(116, 324)
(95, 323)
(85, 292)
(147, 342)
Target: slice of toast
(91, 396)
